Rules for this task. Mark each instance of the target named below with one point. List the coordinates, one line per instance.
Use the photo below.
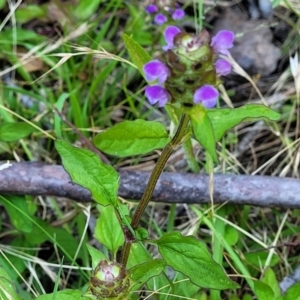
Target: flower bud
(164, 11)
(178, 14)
(151, 9)
(109, 280)
(160, 19)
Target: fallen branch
(42, 179)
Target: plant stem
(187, 145)
(166, 153)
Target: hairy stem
(166, 153)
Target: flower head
(160, 19)
(178, 14)
(207, 95)
(169, 34)
(222, 41)
(156, 70)
(108, 281)
(223, 67)
(151, 9)
(192, 69)
(157, 94)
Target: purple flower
(160, 19)
(222, 41)
(156, 70)
(207, 95)
(169, 34)
(223, 67)
(157, 94)
(151, 9)
(178, 14)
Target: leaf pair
(188, 256)
(125, 139)
(210, 125)
(10, 132)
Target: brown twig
(42, 179)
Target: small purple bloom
(157, 94)
(207, 95)
(160, 19)
(222, 41)
(178, 14)
(223, 67)
(169, 34)
(156, 70)
(151, 9)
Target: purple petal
(157, 94)
(223, 67)
(151, 9)
(208, 95)
(156, 70)
(222, 41)
(178, 14)
(160, 19)
(169, 35)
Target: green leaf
(134, 25)
(86, 8)
(96, 255)
(189, 256)
(293, 293)
(141, 233)
(132, 138)
(86, 169)
(21, 34)
(13, 206)
(225, 119)
(108, 230)
(259, 258)
(143, 272)
(29, 12)
(63, 295)
(138, 55)
(138, 255)
(263, 291)
(185, 287)
(203, 130)
(57, 119)
(10, 132)
(44, 232)
(7, 286)
(231, 235)
(2, 3)
(269, 278)
(275, 3)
